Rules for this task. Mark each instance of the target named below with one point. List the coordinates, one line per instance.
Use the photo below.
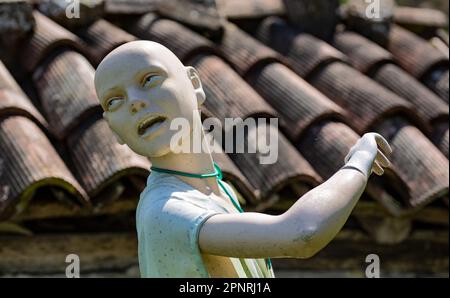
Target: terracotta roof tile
(245, 53)
(257, 82)
(440, 137)
(420, 17)
(299, 104)
(249, 9)
(268, 179)
(438, 81)
(65, 86)
(102, 37)
(130, 7)
(366, 101)
(306, 51)
(98, 160)
(363, 54)
(47, 37)
(225, 90)
(414, 154)
(414, 54)
(13, 101)
(197, 13)
(380, 67)
(184, 43)
(371, 105)
(28, 162)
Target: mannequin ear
(197, 83)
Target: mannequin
(187, 226)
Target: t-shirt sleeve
(168, 239)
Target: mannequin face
(142, 86)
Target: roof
(326, 93)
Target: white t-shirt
(169, 216)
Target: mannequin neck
(194, 163)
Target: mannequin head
(142, 86)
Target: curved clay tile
(129, 7)
(443, 144)
(201, 14)
(370, 104)
(366, 101)
(361, 96)
(184, 43)
(102, 37)
(417, 161)
(65, 86)
(440, 137)
(13, 101)
(326, 145)
(270, 179)
(414, 54)
(299, 104)
(306, 52)
(251, 9)
(227, 94)
(98, 160)
(438, 81)
(243, 52)
(47, 37)
(28, 161)
(429, 106)
(363, 55)
(414, 17)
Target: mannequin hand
(369, 155)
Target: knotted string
(218, 174)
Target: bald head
(142, 86)
(134, 54)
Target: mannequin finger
(383, 144)
(382, 160)
(377, 169)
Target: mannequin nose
(136, 106)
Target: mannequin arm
(310, 224)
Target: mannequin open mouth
(148, 126)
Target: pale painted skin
(144, 79)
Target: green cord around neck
(218, 174)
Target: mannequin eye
(151, 80)
(113, 103)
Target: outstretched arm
(310, 224)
